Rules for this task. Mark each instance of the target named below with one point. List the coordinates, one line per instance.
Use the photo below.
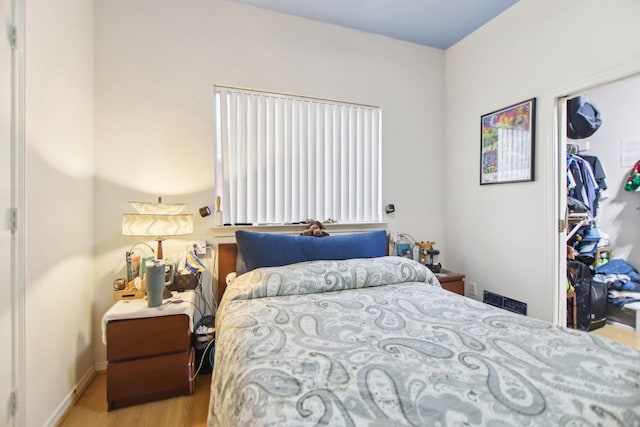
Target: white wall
(59, 167)
(618, 215)
(501, 235)
(156, 64)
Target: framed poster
(507, 139)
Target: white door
(6, 281)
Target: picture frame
(507, 143)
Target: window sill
(227, 234)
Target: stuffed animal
(424, 247)
(315, 229)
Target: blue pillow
(257, 250)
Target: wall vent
(505, 303)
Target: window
(282, 158)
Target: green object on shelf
(633, 182)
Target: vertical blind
(282, 158)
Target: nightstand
(149, 352)
(451, 281)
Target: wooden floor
(91, 408)
(621, 334)
(185, 411)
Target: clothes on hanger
(581, 182)
(600, 177)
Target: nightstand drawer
(451, 281)
(153, 336)
(455, 287)
(146, 380)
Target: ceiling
(435, 23)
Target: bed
(375, 341)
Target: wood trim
(227, 253)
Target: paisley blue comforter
(377, 342)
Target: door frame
(18, 289)
(558, 259)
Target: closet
(603, 255)
(587, 247)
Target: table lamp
(157, 220)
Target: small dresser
(149, 351)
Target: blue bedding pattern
(377, 342)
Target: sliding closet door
(6, 316)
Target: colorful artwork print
(507, 144)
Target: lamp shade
(158, 208)
(156, 225)
(157, 220)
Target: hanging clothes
(581, 182)
(600, 177)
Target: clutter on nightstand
(184, 281)
(123, 290)
(134, 285)
(433, 263)
(423, 252)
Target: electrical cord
(130, 252)
(408, 237)
(210, 336)
(212, 307)
(205, 306)
(202, 307)
(196, 307)
(204, 354)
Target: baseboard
(67, 403)
(100, 367)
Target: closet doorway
(12, 408)
(6, 307)
(616, 145)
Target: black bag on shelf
(599, 303)
(591, 296)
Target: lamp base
(159, 253)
